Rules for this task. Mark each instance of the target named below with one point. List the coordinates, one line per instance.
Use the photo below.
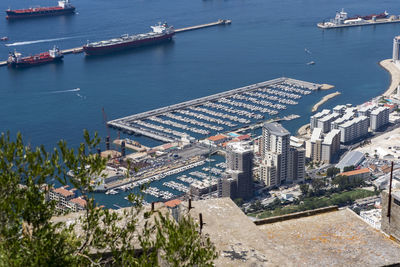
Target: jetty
(324, 99)
(202, 26)
(232, 109)
(79, 49)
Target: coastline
(386, 64)
(303, 130)
(323, 100)
(394, 72)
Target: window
(396, 201)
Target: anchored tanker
(64, 7)
(16, 60)
(342, 20)
(160, 33)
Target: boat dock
(202, 26)
(218, 112)
(78, 50)
(329, 25)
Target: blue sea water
(266, 40)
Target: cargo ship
(343, 20)
(383, 15)
(64, 7)
(160, 33)
(16, 60)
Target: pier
(78, 50)
(202, 26)
(217, 113)
(323, 100)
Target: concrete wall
(391, 228)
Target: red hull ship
(369, 17)
(161, 33)
(15, 59)
(64, 7)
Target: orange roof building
(63, 192)
(361, 173)
(218, 139)
(172, 203)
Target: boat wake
(65, 91)
(39, 41)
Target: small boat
(5, 38)
(311, 63)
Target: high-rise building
(354, 129)
(316, 144)
(238, 179)
(276, 139)
(269, 170)
(296, 166)
(330, 146)
(396, 46)
(379, 117)
(280, 162)
(315, 117)
(325, 122)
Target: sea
(267, 39)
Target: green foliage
(348, 168)
(29, 236)
(332, 171)
(317, 185)
(238, 201)
(345, 183)
(310, 203)
(181, 244)
(304, 189)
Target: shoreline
(323, 100)
(388, 65)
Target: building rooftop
(355, 172)
(329, 117)
(64, 192)
(379, 110)
(351, 158)
(316, 134)
(276, 129)
(243, 137)
(80, 201)
(353, 121)
(239, 147)
(338, 238)
(321, 113)
(217, 137)
(328, 140)
(172, 203)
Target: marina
(217, 113)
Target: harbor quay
(232, 109)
